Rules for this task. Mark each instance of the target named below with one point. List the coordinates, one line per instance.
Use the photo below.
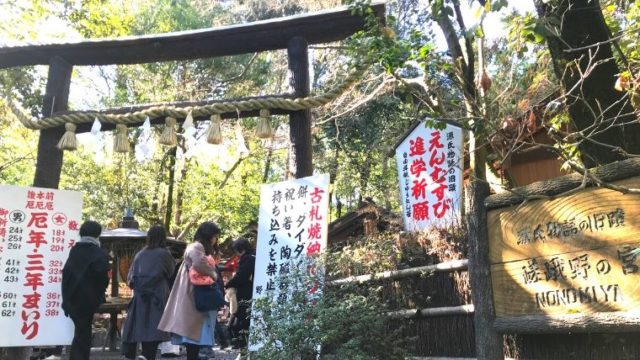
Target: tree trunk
(267, 164)
(488, 343)
(385, 169)
(177, 218)
(594, 104)
(364, 180)
(172, 175)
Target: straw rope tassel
(68, 140)
(169, 137)
(214, 133)
(264, 129)
(121, 141)
(81, 117)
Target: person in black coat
(85, 277)
(149, 277)
(242, 282)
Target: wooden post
(172, 176)
(488, 341)
(115, 283)
(300, 121)
(115, 292)
(49, 162)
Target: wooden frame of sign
(567, 264)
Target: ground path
(109, 355)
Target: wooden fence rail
(447, 266)
(432, 312)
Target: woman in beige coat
(188, 326)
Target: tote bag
(208, 297)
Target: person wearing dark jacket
(85, 277)
(242, 282)
(149, 277)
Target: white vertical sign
(430, 173)
(38, 227)
(292, 225)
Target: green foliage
(367, 255)
(362, 166)
(18, 148)
(111, 186)
(101, 18)
(380, 44)
(18, 145)
(119, 181)
(233, 206)
(343, 323)
(353, 147)
(200, 183)
(623, 20)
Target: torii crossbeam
(293, 33)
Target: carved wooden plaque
(575, 254)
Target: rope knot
(214, 133)
(169, 137)
(121, 141)
(263, 128)
(68, 140)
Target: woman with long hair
(149, 277)
(188, 326)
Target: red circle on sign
(59, 219)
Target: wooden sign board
(570, 255)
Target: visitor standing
(85, 277)
(240, 286)
(188, 326)
(149, 278)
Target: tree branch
(15, 161)
(470, 70)
(377, 91)
(233, 168)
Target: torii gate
(293, 33)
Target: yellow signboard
(575, 254)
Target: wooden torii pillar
(300, 121)
(49, 160)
